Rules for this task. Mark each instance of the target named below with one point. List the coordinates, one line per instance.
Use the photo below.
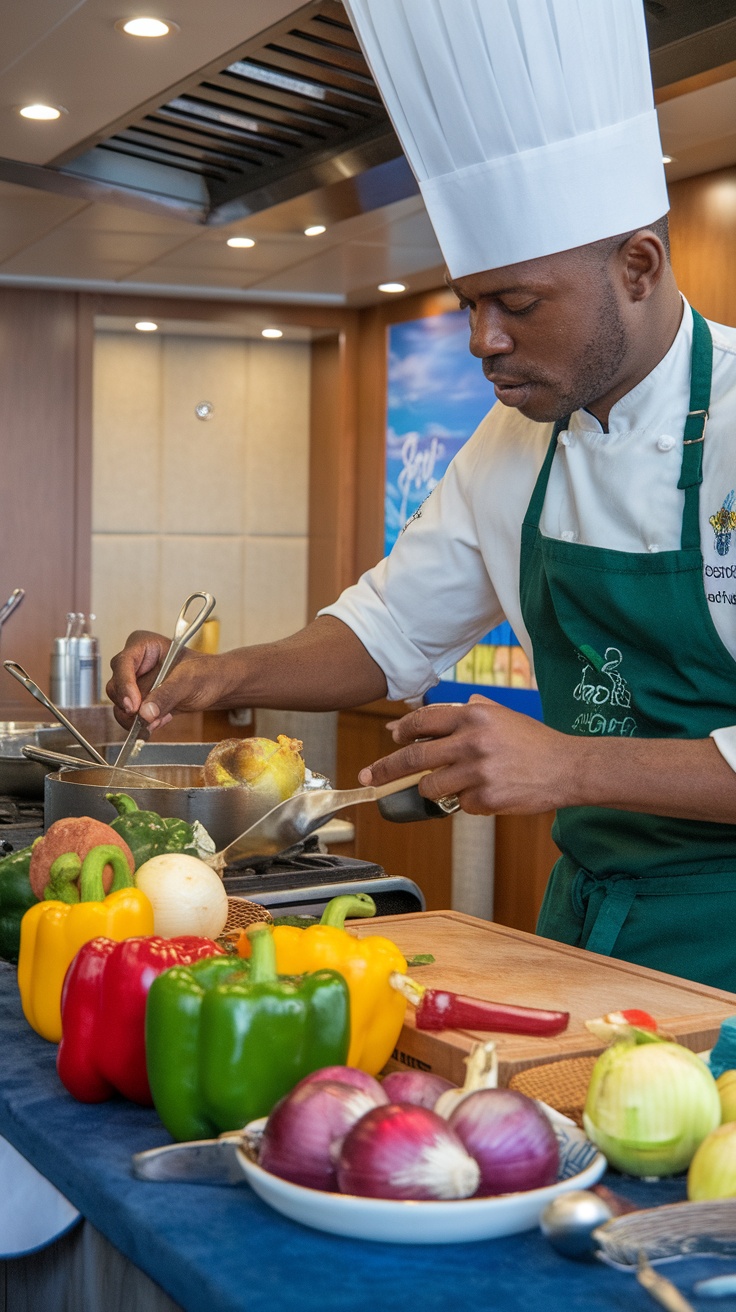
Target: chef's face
(550, 332)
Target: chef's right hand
(187, 687)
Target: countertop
(220, 1249)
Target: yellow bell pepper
(376, 1009)
(53, 931)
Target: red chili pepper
(103, 1008)
(438, 1010)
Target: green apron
(624, 644)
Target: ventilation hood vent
(295, 110)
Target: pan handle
(409, 805)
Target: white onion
(712, 1171)
(186, 895)
(649, 1105)
(419, 1087)
(510, 1138)
(303, 1127)
(404, 1151)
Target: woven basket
(561, 1084)
(241, 913)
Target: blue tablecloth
(219, 1249)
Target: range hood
(294, 112)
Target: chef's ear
(643, 263)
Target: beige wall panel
(202, 564)
(203, 460)
(277, 443)
(274, 588)
(126, 421)
(125, 589)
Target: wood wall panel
(332, 468)
(46, 394)
(703, 237)
(422, 851)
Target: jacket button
(665, 442)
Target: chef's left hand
(494, 760)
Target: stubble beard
(596, 369)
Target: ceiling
(164, 152)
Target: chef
(593, 508)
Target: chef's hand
(494, 760)
(187, 687)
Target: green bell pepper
(226, 1038)
(16, 896)
(149, 834)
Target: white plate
(399, 1222)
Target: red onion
(304, 1125)
(510, 1138)
(418, 1087)
(349, 1075)
(403, 1151)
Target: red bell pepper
(103, 1010)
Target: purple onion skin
(385, 1155)
(418, 1087)
(510, 1138)
(304, 1125)
(349, 1075)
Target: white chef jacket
(454, 572)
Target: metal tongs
(183, 633)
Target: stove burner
(306, 857)
(20, 811)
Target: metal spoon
(60, 761)
(11, 604)
(184, 631)
(23, 677)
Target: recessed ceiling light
(391, 287)
(44, 112)
(145, 27)
(240, 241)
(316, 230)
(272, 332)
(146, 326)
(667, 159)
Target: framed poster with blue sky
(437, 396)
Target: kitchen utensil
(293, 820)
(661, 1289)
(56, 759)
(11, 604)
(568, 1223)
(23, 677)
(409, 805)
(224, 812)
(21, 778)
(184, 630)
(674, 1230)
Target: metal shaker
(76, 668)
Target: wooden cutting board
(506, 965)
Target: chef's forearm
(684, 778)
(322, 667)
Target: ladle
(184, 631)
(23, 677)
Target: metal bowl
(20, 777)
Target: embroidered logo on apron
(612, 691)
(723, 524)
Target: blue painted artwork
(437, 396)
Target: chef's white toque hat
(529, 124)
